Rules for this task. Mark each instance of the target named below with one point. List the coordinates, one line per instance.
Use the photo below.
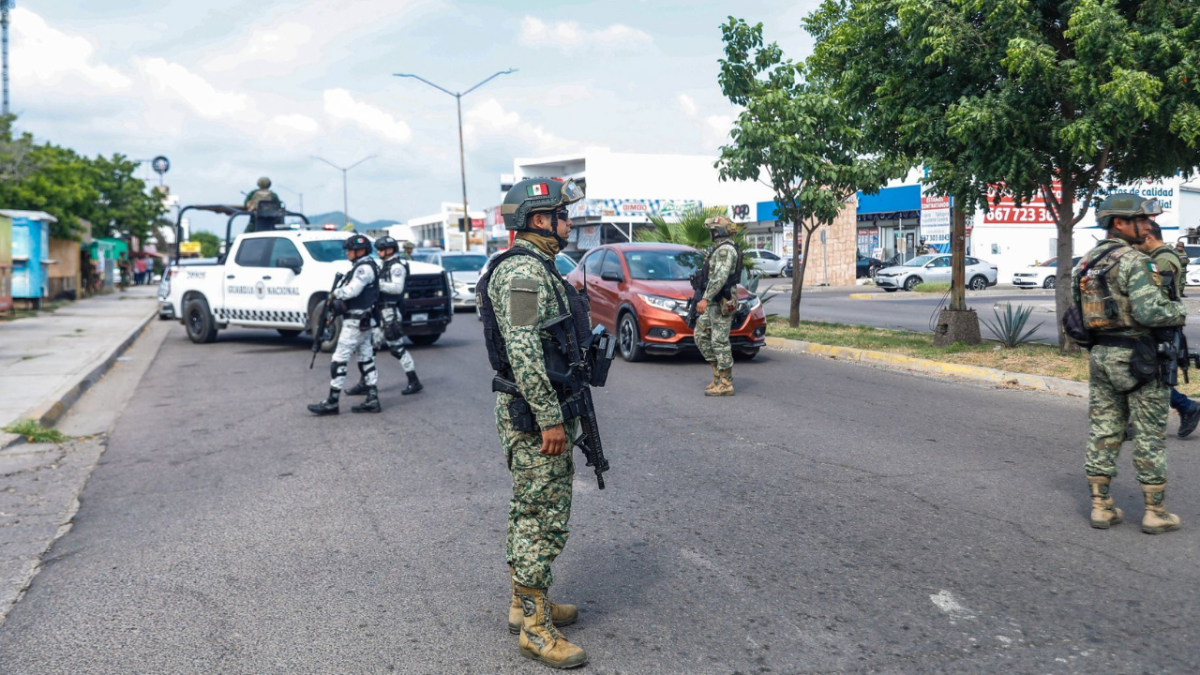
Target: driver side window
(612, 264)
(941, 262)
(283, 249)
(254, 252)
(591, 264)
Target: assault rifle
(1174, 355)
(324, 328)
(699, 283)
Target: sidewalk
(46, 362)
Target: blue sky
(232, 89)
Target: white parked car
(934, 269)
(464, 269)
(1042, 275)
(766, 262)
(1193, 272)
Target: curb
(1001, 378)
(47, 413)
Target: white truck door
(283, 303)
(245, 287)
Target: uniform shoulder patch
(523, 302)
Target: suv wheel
(911, 282)
(628, 338)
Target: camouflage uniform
(260, 195)
(522, 293)
(1115, 400)
(1167, 261)
(714, 325)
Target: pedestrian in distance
(408, 251)
(354, 300)
(1117, 292)
(393, 273)
(721, 272)
(521, 295)
(1171, 272)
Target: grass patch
(1029, 358)
(930, 287)
(36, 433)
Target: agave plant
(1009, 327)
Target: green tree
(123, 204)
(1023, 95)
(797, 137)
(209, 243)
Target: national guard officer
(391, 300)
(1117, 290)
(1167, 262)
(520, 294)
(723, 270)
(354, 300)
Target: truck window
(283, 249)
(326, 250)
(254, 252)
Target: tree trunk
(958, 257)
(1065, 252)
(798, 274)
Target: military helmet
(1126, 205)
(408, 245)
(386, 242)
(720, 226)
(356, 242)
(537, 195)
(264, 182)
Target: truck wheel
(424, 340)
(288, 332)
(201, 327)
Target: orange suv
(639, 292)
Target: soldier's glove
(338, 307)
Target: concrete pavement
(47, 361)
(829, 518)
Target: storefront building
(30, 255)
(889, 223)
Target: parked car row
(1042, 275)
(935, 268)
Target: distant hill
(335, 218)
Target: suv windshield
(463, 263)
(663, 265)
(326, 250)
(919, 261)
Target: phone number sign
(1009, 214)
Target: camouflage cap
(1125, 205)
(264, 182)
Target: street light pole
(345, 189)
(462, 162)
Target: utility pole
(462, 162)
(345, 189)
(5, 5)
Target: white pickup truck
(278, 280)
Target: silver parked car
(934, 269)
(464, 269)
(768, 264)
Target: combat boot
(327, 407)
(560, 615)
(716, 381)
(1157, 520)
(372, 402)
(414, 384)
(724, 384)
(1105, 514)
(1188, 421)
(540, 640)
(359, 389)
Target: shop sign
(935, 221)
(1035, 212)
(639, 207)
(739, 213)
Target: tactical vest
(574, 304)
(1103, 309)
(386, 275)
(364, 301)
(735, 275)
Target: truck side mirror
(292, 263)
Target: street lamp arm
(361, 161)
(322, 159)
(418, 77)
(503, 72)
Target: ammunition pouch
(1144, 364)
(521, 415)
(393, 331)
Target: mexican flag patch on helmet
(538, 190)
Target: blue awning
(891, 200)
(765, 212)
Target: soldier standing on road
(391, 298)
(522, 292)
(354, 301)
(1171, 271)
(723, 269)
(1184, 261)
(1118, 291)
(408, 251)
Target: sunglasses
(564, 215)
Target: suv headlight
(751, 303)
(669, 304)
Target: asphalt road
(831, 518)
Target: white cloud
(42, 55)
(568, 36)
(714, 127)
(490, 120)
(297, 122)
(341, 105)
(270, 45)
(192, 89)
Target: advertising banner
(935, 221)
(1035, 213)
(667, 208)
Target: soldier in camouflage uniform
(263, 193)
(524, 292)
(1167, 262)
(923, 248)
(719, 304)
(1118, 290)
(1184, 261)
(408, 251)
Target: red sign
(477, 223)
(930, 202)
(1006, 212)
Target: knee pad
(337, 369)
(398, 350)
(366, 367)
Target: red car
(639, 292)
